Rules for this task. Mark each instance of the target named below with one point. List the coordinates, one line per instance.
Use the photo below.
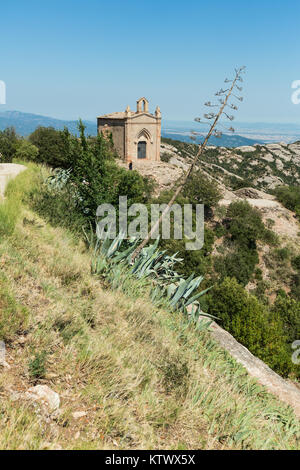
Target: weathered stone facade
(136, 135)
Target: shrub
(289, 196)
(165, 157)
(240, 264)
(296, 262)
(251, 323)
(258, 274)
(200, 190)
(237, 183)
(289, 311)
(8, 144)
(93, 179)
(198, 261)
(37, 365)
(56, 148)
(59, 206)
(282, 254)
(245, 227)
(245, 224)
(26, 151)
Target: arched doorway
(142, 149)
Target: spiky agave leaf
(110, 255)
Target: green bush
(258, 274)
(59, 207)
(200, 190)
(165, 157)
(289, 311)
(289, 196)
(37, 365)
(56, 148)
(198, 261)
(243, 227)
(8, 144)
(237, 183)
(240, 264)
(26, 151)
(282, 254)
(16, 192)
(251, 323)
(296, 262)
(245, 224)
(94, 179)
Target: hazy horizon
(165, 120)
(178, 129)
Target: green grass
(9, 211)
(13, 316)
(146, 377)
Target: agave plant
(153, 264)
(59, 178)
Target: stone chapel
(136, 134)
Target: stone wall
(117, 128)
(128, 131)
(143, 128)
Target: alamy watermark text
(2, 92)
(184, 222)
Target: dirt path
(8, 171)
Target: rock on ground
(44, 394)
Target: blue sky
(72, 58)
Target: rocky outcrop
(45, 395)
(284, 222)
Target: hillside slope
(247, 174)
(128, 375)
(261, 166)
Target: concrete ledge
(286, 391)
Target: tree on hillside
(201, 190)
(212, 119)
(99, 179)
(26, 151)
(8, 144)
(251, 323)
(56, 148)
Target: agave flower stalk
(212, 131)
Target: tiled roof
(123, 115)
(117, 115)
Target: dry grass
(145, 377)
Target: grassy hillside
(143, 377)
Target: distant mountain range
(225, 141)
(246, 134)
(26, 123)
